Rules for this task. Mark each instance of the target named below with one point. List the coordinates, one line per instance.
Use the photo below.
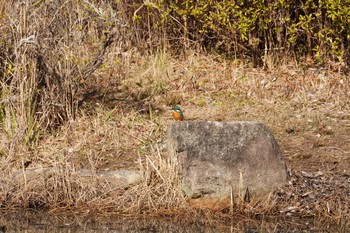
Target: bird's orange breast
(177, 116)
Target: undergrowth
(90, 85)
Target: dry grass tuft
(160, 193)
(60, 187)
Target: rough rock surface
(116, 178)
(225, 159)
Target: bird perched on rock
(177, 113)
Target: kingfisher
(178, 115)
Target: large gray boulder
(221, 160)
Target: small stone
(263, 82)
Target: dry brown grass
(61, 188)
(72, 101)
(117, 133)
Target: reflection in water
(29, 222)
(34, 222)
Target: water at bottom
(69, 222)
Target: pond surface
(34, 222)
